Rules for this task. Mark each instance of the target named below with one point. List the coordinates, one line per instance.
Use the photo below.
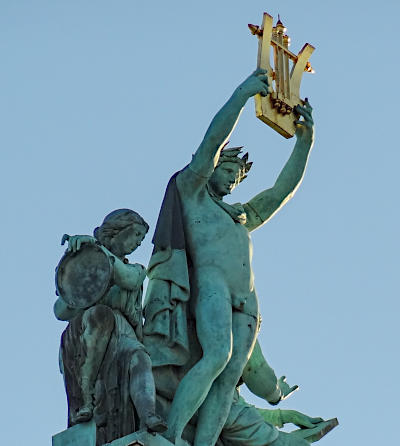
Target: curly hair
(115, 222)
(231, 155)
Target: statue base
(84, 434)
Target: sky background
(101, 101)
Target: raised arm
(261, 380)
(264, 205)
(206, 157)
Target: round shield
(84, 277)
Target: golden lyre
(276, 109)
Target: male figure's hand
(305, 126)
(286, 390)
(256, 83)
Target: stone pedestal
(141, 438)
(84, 434)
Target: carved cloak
(165, 307)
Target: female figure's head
(121, 232)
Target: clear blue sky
(101, 101)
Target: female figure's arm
(63, 312)
(127, 276)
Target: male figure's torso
(219, 247)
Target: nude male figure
(219, 246)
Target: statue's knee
(218, 358)
(140, 360)
(99, 317)
(236, 366)
(229, 379)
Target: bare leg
(215, 409)
(142, 391)
(97, 324)
(214, 330)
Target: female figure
(107, 370)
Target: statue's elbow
(60, 311)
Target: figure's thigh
(245, 426)
(245, 326)
(214, 317)
(98, 318)
(244, 331)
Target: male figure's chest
(206, 222)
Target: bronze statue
(106, 368)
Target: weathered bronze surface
(186, 355)
(84, 277)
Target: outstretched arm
(261, 380)
(264, 205)
(206, 157)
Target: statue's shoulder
(189, 182)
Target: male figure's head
(230, 171)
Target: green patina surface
(83, 434)
(201, 308)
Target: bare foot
(155, 423)
(84, 414)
